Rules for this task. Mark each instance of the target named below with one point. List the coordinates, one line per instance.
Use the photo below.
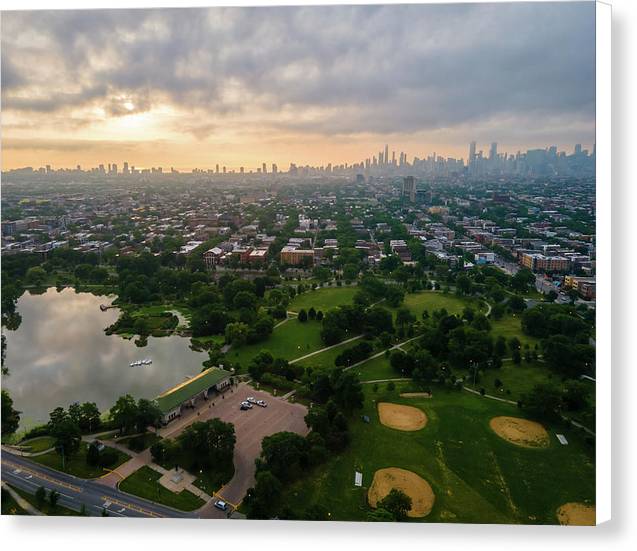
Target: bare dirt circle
(521, 432)
(576, 514)
(417, 488)
(399, 417)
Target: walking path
(377, 355)
(325, 349)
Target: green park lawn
(76, 464)
(323, 299)
(144, 483)
(511, 326)
(290, 340)
(476, 476)
(39, 444)
(435, 300)
(516, 379)
(376, 369)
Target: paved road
(27, 475)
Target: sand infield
(417, 488)
(576, 514)
(521, 432)
(407, 418)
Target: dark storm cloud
(373, 69)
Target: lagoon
(60, 354)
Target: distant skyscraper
(241, 170)
(386, 157)
(264, 169)
(217, 168)
(409, 188)
(275, 169)
(125, 169)
(493, 152)
(578, 148)
(472, 151)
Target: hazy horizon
(192, 87)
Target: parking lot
(250, 426)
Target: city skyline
(384, 157)
(85, 86)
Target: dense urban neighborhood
(381, 341)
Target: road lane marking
(133, 507)
(43, 476)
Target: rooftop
(178, 394)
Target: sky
(311, 85)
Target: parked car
(221, 505)
(246, 405)
(251, 399)
(262, 403)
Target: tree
(67, 434)
(148, 414)
(89, 420)
(124, 413)
(237, 333)
(576, 394)
(302, 315)
(397, 503)
(36, 276)
(543, 402)
(209, 444)
(516, 304)
(284, 454)
(40, 496)
(262, 500)
(348, 391)
(311, 313)
(404, 317)
(10, 416)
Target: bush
(108, 457)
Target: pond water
(60, 354)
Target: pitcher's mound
(417, 488)
(521, 432)
(400, 417)
(576, 514)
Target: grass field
(39, 444)
(516, 379)
(323, 299)
(290, 340)
(477, 477)
(144, 483)
(76, 464)
(511, 326)
(376, 369)
(435, 300)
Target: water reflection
(60, 354)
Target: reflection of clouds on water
(61, 354)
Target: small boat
(147, 361)
(136, 363)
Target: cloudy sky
(238, 86)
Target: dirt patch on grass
(417, 488)
(415, 395)
(521, 432)
(407, 418)
(576, 514)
